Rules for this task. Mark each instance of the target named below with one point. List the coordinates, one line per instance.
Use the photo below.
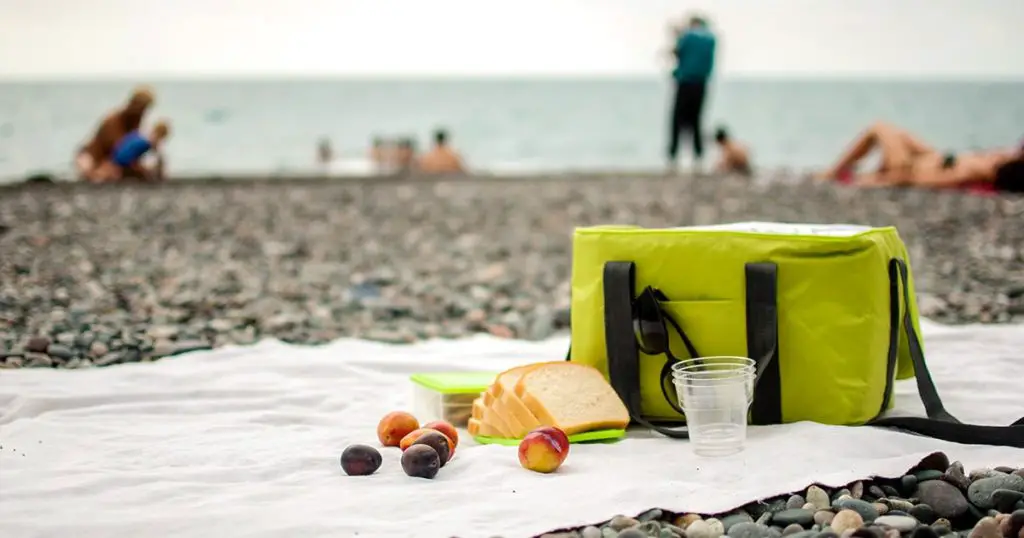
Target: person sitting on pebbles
(441, 159)
(734, 157)
(111, 130)
(907, 161)
(126, 160)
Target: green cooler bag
(827, 312)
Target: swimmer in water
(126, 159)
(907, 161)
(441, 159)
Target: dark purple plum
(439, 442)
(421, 461)
(360, 460)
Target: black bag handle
(939, 423)
(762, 342)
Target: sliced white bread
(486, 414)
(572, 397)
(479, 427)
(512, 406)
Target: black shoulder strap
(623, 353)
(939, 423)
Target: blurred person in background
(112, 129)
(441, 159)
(380, 154)
(695, 61)
(126, 161)
(324, 153)
(734, 158)
(906, 160)
(404, 156)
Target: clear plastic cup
(715, 394)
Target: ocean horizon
(502, 125)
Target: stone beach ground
(935, 498)
(98, 276)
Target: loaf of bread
(572, 397)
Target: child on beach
(126, 160)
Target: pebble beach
(933, 499)
(96, 276)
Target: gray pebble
(795, 501)
(749, 530)
(1004, 500)
(732, 519)
(928, 474)
(650, 515)
(980, 491)
(944, 498)
(632, 533)
(824, 517)
(792, 529)
(591, 532)
(923, 513)
(866, 510)
(609, 532)
(797, 516)
(699, 529)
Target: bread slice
(486, 415)
(521, 420)
(478, 427)
(572, 397)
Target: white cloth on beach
(244, 442)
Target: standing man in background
(695, 61)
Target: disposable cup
(715, 394)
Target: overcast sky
(103, 38)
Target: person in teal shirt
(695, 63)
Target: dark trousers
(686, 116)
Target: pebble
(923, 513)
(650, 515)
(847, 520)
(792, 529)
(749, 530)
(685, 520)
(699, 529)
(632, 533)
(621, 523)
(797, 516)
(1004, 500)
(980, 491)
(591, 532)
(944, 498)
(795, 501)
(900, 523)
(716, 527)
(955, 475)
(818, 497)
(986, 528)
(824, 517)
(866, 510)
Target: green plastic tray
(596, 436)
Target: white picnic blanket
(244, 442)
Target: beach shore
(94, 276)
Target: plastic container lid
(455, 382)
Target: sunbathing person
(126, 160)
(906, 160)
(441, 159)
(734, 157)
(111, 130)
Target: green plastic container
(448, 396)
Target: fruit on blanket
(360, 460)
(439, 442)
(408, 440)
(421, 461)
(446, 428)
(544, 449)
(394, 426)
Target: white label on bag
(841, 230)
